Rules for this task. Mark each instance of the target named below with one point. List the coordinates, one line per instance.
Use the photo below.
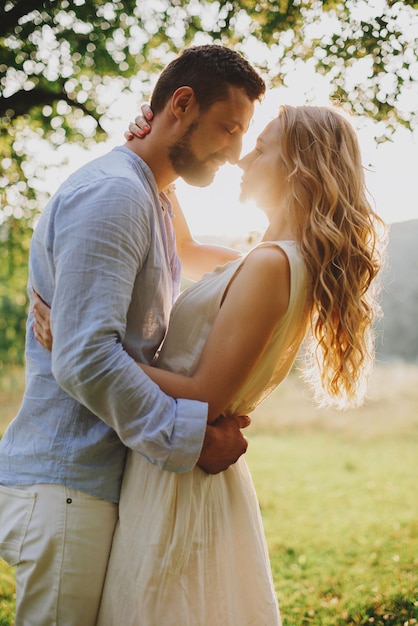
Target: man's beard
(186, 164)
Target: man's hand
(224, 443)
(41, 327)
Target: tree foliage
(66, 51)
(58, 59)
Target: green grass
(338, 494)
(341, 521)
(7, 595)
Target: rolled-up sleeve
(98, 254)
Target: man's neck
(153, 149)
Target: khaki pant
(60, 540)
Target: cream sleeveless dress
(189, 549)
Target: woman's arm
(255, 302)
(197, 258)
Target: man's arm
(101, 241)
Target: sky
(391, 167)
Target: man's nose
(234, 148)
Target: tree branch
(21, 102)
(9, 19)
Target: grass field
(338, 494)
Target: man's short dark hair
(209, 70)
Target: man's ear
(183, 101)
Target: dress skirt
(189, 550)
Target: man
(103, 255)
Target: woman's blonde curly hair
(340, 238)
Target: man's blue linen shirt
(103, 256)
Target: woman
(194, 552)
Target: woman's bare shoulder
(270, 258)
(265, 276)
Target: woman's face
(264, 178)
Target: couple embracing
(124, 495)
